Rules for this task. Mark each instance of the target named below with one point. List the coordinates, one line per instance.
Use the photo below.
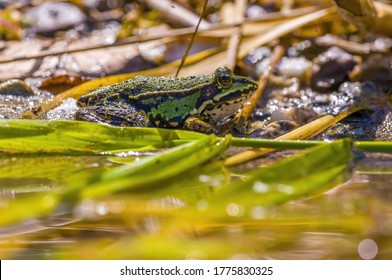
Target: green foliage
(305, 174)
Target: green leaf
(151, 171)
(307, 173)
(73, 137)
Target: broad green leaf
(161, 166)
(27, 136)
(49, 167)
(307, 173)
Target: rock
(331, 68)
(50, 17)
(15, 87)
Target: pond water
(350, 221)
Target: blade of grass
(312, 160)
(184, 57)
(48, 167)
(119, 179)
(373, 146)
(306, 131)
(159, 167)
(307, 173)
(72, 137)
(365, 146)
(160, 160)
(273, 143)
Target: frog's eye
(224, 80)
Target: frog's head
(225, 95)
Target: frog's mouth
(235, 96)
(227, 100)
(231, 99)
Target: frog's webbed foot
(196, 124)
(117, 116)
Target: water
(350, 221)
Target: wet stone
(16, 88)
(12, 107)
(50, 17)
(331, 68)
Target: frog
(202, 103)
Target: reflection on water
(351, 221)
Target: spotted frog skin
(197, 103)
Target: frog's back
(148, 84)
(144, 84)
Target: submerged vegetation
(67, 176)
(302, 171)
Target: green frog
(198, 103)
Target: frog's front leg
(196, 124)
(113, 115)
